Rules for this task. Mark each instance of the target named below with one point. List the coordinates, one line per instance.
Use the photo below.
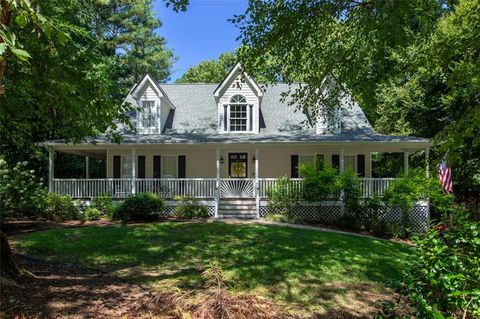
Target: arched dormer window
(240, 114)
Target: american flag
(445, 175)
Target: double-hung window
(238, 114)
(149, 115)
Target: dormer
(238, 99)
(329, 108)
(153, 106)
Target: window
(126, 166)
(305, 159)
(149, 114)
(169, 167)
(238, 114)
(349, 163)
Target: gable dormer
(238, 100)
(329, 109)
(153, 106)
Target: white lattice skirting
(331, 212)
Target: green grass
(303, 267)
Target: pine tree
(128, 30)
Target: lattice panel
(170, 210)
(418, 216)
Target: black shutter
(319, 161)
(116, 166)
(141, 166)
(157, 161)
(181, 166)
(361, 165)
(294, 166)
(336, 161)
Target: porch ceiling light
(221, 160)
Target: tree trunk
(8, 266)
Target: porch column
(134, 171)
(427, 161)
(51, 169)
(257, 190)
(87, 172)
(217, 183)
(342, 160)
(405, 162)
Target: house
(226, 144)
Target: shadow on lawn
(293, 265)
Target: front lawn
(309, 269)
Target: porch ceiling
(92, 153)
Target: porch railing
(192, 187)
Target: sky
(201, 33)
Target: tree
(412, 65)
(128, 30)
(210, 71)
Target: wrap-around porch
(212, 173)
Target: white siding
(247, 91)
(274, 161)
(164, 112)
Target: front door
(237, 165)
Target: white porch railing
(192, 187)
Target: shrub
(22, 194)
(189, 207)
(349, 185)
(104, 204)
(60, 207)
(139, 207)
(91, 213)
(318, 185)
(284, 196)
(442, 280)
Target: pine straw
(216, 302)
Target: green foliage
(21, 192)
(442, 279)
(60, 208)
(319, 185)
(284, 196)
(91, 213)
(209, 71)
(104, 204)
(139, 207)
(190, 207)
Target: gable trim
(237, 67)
(161, 93)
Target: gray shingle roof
(195, 120)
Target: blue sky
(201, 33)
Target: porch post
(51, 169)
(87, 172)
(217, 183)
(427, 161)
(405, 162)
(342, 160)
(257, 190)
(134, 171)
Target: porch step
(237, 208)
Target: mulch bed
(15, 227)
(55, 290)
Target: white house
(229, 140)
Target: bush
(139, 207)
(189, 207)
(91, 213)
(60, 207)
(283, 197)
(22, 194)
(442, 280)
(319, 185)
(104, 204)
